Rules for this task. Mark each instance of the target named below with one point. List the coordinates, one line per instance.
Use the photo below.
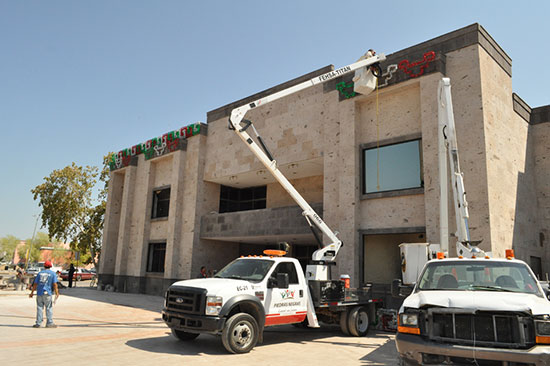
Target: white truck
(252, 293)
(472, 309)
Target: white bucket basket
(364, 81)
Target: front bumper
(416, 350)
(193, 323)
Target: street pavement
(107, 328)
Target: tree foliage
(8, 244)
(69, 209)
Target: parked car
(79, 275)
(32, 271)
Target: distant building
(367, 164)
(47, 253)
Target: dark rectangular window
(393, 167)
(155, 258)
(161, 203)
(289, 269)
(242, 199)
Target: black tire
(303, 324)
(358, 321)
(344, 322)
(79, 278)
(184, 336)
(240, 334)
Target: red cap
(47, 264)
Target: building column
(112, 224)
(125, 221)
(177, 201)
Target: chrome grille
(187, 300)
(483, 329)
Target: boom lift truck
(471, 309)
(252, 293)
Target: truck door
(285, 305)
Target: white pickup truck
(477, 311)
(255, 292)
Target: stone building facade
(367, 164)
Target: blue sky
(81, 78)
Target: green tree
(8, 244)
(69, 210)
(60, 255)
(40, 240)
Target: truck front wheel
(358, 321)
(240, 333)
(184, 336)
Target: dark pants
(70, 280)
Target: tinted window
(392, 167)
(161, 203)
(288, 268)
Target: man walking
(71, 274)
(45, 283)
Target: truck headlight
(409, 320)
(408, 323)
(542, 329)
(213, 305)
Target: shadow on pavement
(204, 344)
(156, 324)
(140, 301)
(212, 345)
(384, 355)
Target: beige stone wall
(291, 128)
(540, 136)
(311, 188)
(393, 212)
(463, 69)
(510, 176)
(194, 251)
(398, 113)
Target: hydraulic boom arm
(448, 146)
(240, 125)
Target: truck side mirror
(400, 290)
(282, 280)
(395, 285)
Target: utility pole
(32, 240)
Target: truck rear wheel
(240, 333)
(358, 321)
(184, 336)
(344, 322)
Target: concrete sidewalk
(97, 327)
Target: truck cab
(475, 310)
(247, 295)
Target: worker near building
(45, 284)
(71, 275)
(203, 273)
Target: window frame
(155, 201)
(150, 256)
(386, 143)
(234, 199)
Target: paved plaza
(100, 328)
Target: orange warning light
(440, 255)
(509, 253)
(273, 252)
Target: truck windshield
(480, 276)
(246, 269)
